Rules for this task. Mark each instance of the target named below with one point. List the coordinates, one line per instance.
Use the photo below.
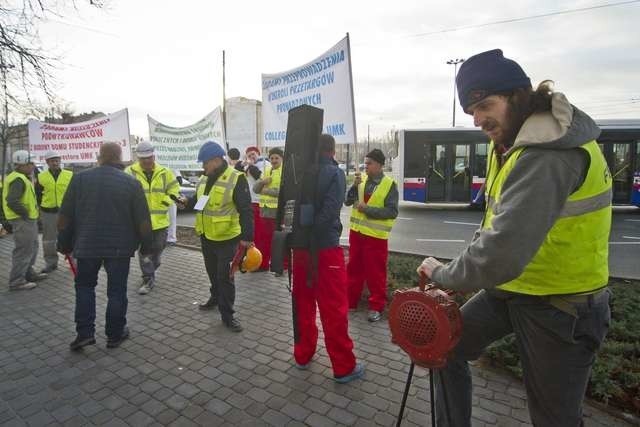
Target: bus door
(448, 178)
(619, 157)
(436, 177)
(635, 191)
(461, 176)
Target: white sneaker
(22, 287)
(374, 316)
(144, 289)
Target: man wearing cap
(375, 207)
(50, 189)
(21, 210)
(161, 190)
(268, 188)
(541, 254)
(224, 220)
(253, 167)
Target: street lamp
(455, 63)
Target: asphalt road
(445, 232)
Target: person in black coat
(103, 220)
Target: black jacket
(328, 201)
(104, 214)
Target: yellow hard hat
(252, 260)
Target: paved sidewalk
(182, 367)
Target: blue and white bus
(449, 165)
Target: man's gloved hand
(427, 267)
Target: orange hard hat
(252, 260)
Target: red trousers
(258, 237)
(367, 262)
(328, 290)
(263, 241)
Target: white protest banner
(324, 83)
(80, 142)
(177, 148)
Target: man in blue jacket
(103, 220)
(320, 277)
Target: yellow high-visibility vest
(54, 189)
(28, 198)
(574, 255)
(379, 228)
(267, 201)
(219, 220)
(163, 184)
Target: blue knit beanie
(486, 74)
(209, 150)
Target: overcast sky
(164, 58)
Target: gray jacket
(533, 196)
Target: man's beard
(510, 127)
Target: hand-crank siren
(426, 323)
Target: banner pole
(353, 109)
(128, 141)
(224, 104)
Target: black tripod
(431, 395)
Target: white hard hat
(21, 157)
(144, 149)
(51, 154)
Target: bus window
(480, 163)
(462, 158)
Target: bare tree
(26, 70)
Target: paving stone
(181, 367)
(64, 413)
(167, 416)
(218, 407)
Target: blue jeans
(117, 273)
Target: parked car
(187, 189)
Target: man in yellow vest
(21, 210)
(541, 255)
(51, 186)
(268, 187)
(375, 207)
(224, 220)
(161, 190)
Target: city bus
(450, 165)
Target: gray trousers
(25, 251)
(556, 350)
(49, 238)
(159, 241)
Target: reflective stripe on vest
(54, 189)
(573, 257)
(28, 198)
(163, 184)
(267, 200)
(359, 222)
(219, 220)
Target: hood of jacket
(562, 127)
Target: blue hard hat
(209, 150)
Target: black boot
(233, 324)
(209, 305)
